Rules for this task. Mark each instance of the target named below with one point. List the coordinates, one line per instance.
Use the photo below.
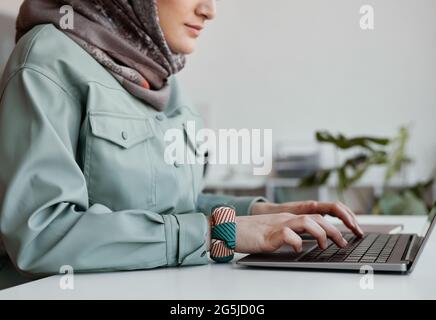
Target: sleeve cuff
(254, 201)
(243, 205)
(186, 239)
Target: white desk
(212, 281)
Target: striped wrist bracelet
(223, 233)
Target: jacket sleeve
(45, 218)
(242, 205)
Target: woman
(83, 115)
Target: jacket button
(203, 253)
(124, 135)
(160, 117)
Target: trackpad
(284, 254)
(307, 245)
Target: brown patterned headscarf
(123, 35)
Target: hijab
(124, 36)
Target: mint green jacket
(83, 181)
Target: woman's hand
(268, 232)
(336, 209)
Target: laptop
(383, 252)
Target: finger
(332, 232)
(350, 212)
(301, 207)
(293, 239)
(354, 217)
(306, 224)
(334, 209)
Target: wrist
(209, 230)
(266, 207)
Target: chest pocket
(122, 130)
(119, 169)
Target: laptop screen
(430, 222)
(429, 227)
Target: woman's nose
(207, 9)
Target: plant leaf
(342, 142)
(398, 156)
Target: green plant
(373, 151)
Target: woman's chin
(185, 48)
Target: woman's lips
(194, 29)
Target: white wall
(8, 11)
(10, 6)
(298, 66)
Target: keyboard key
(351, 260)
(372, 248)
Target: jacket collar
(178, 99)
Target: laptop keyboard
(372, 248)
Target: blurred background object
(295, 160)
(388, 153)
(7, 34)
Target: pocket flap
(190, 139)
(123, 130)
(192, 142)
